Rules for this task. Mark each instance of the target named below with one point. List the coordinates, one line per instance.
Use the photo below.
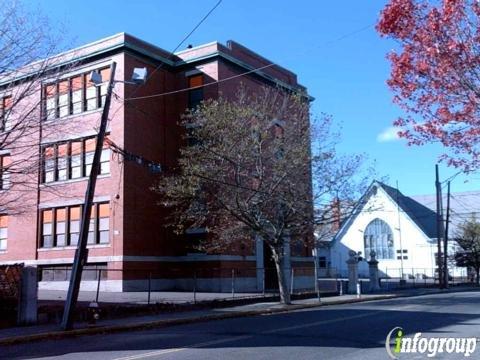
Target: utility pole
(445, 240)
(81, 254)
(439, 227)
(399, 232)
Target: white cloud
(389, 134)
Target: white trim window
(74, 95)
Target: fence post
(98, 284)
(263, 281)
(315, 272)
(292, 273)
(318, 289)
(195, 287)
(149, 286)
(233, 283)
(386, 278)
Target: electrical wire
(201, 86)
(172, 53)
(451, 178)
(251, 71)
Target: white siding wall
(421, 250)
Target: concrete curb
(109, 329)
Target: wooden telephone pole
(445, 241)
(439, 228)
(81, 254)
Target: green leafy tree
(468, 239)
(247, 174)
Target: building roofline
(128, 41)
(196, 47)
(90, 44)
(361, 204)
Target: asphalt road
(355, 331)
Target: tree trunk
(477, 278)
(282, 283)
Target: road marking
(153, 353)
(198, 345)
(243, 337)
(323, 322)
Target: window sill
(69, 117)
(3, 252)
(42, 185)
(98, 246)
(59, 248)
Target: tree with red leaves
(436, 74)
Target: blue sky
(332, 46)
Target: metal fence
(172, 285)
(392, 278)
(195, 284)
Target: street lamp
(139, 76)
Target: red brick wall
(22, 231)
(146, 127)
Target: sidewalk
(52, 331)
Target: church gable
(386, 201)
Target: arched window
(378, 237)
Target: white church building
(400, 229)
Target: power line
(221, 80)
(254, 70)
(180, 43)
(171, 54)
(152, 166)
(201, 86)
(468, 194)
(452, 177)
(465, 206)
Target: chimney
(336, 214)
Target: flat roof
(232, 52)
